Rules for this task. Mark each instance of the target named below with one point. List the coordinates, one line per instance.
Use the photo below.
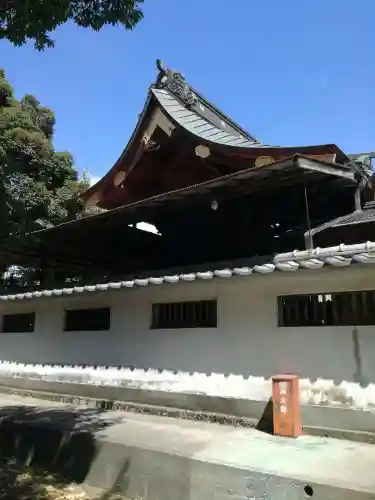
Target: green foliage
(39, 187)
(23, 20)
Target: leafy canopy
(39, 187)
(23, 20)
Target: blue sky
(289, 72)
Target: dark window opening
(197, 314)
(87, 319)
(327, 309)
(18, 323)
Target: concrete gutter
(317, 420)
(156, 458)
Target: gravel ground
(20, 483)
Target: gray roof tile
(358, 217)
(201, 122)
(339, 256)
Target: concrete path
(160, 458)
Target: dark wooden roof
(357, 226)
(260, 211)
(160, 156)
(294, 171)
(249, 181)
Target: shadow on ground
(45, 449)
(265, 423)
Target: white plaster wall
(247, 340)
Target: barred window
(18, 323)
(195, 314)
(94, 319)
(327, 309)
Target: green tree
(39, 187)
(23, 20)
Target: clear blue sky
(288, 71)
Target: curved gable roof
(182, 107)
(193, 112)
(186, 108)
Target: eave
(250, 181)
(103, 240)
(229, 140)
(162, 103)
(129, 156)
(165, 110)
(190, 120)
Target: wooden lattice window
(327, 309)
(18, 323)
(194, 314)
(93, 319)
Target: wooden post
(47, 280)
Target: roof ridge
(175, 82)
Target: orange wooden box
(286, 406)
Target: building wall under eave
(247, 341)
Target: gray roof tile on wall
(358, 217)
(339, 256)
